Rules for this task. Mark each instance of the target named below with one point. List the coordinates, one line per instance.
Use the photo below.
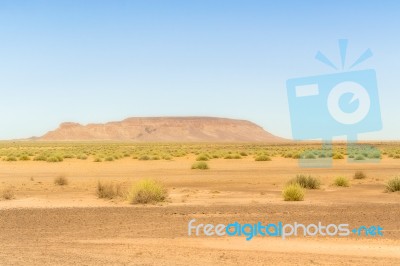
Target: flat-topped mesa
(165, 129)
(69, 125)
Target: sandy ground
(53, 225)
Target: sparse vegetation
(147, 191)
(24, 158)
(307, 182)
(233, 156)
(109, 159)
(341, 181)
(200, 165)
(54, 159)
(144, 158)
(393, 184)
(359, 158)
(61, 181)
(202, 157)
(262, 158)
(11, 159)
(360, 175)
(108, 190)
(338, 157)
(57, 152)
(8, 193)
(293, 192)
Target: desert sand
(68, 225)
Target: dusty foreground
(51, 225)
(147, 236)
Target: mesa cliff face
(165, 129)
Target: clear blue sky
(97, 61)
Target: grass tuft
(360, 175)
(8, 193)
(147, 191)
(304, 181)
(200, 165)
(144, 158)
(293, 192)
(202, 157)
(338, 157)
(262, 158)
(108, 190)
(341, 181)
(54, 159)
(61, 181)
(393, 184)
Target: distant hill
(164, 129)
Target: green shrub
(40, 158)
(296, 156)
(304, 181)
(108, 190)
(360, 175)
(338, 156)
(293, 192)
(233, 156)
(359, 158)
(11, 159)
(24, 158)
(262, 158)
(109, 159)
(147, 191)
(202, 157)
(81, 157)
(98, 160)
(287, 155)
(310, 156)
(167, 157)
(144, 158)
(393, 184)
(54, 159)
(200, 165)
(61, 181)
(341, 181)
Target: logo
(284, 231)
(332, 105)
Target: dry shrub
(360, 175)
(61, 181)
(108, 190)
(393, 185)
(8, 193)
(147, 191)
(293, 192)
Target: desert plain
(49, 224)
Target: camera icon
(339, 104)
(326, 106)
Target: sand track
(132, 236)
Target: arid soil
(52, 225)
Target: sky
(96, 61)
